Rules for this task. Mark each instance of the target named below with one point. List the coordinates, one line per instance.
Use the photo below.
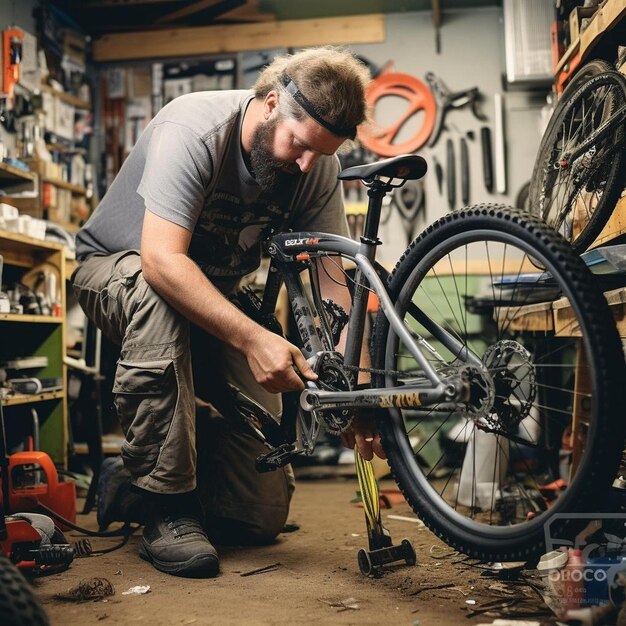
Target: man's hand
(364, 435)
(272, 360)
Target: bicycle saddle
(405, 167)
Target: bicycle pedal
(278, 457)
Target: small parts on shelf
(40, 299)
(25, 363)
(10, 219)
(17, 377)
(11, 58)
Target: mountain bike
(579, 171)
(493, 415)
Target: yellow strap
(369, 489)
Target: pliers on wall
(447, 100)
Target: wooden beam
(200, 40)
(83, 4)
(250, 12)
(196, 7)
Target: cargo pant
(165, 362)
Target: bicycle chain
(372, 370)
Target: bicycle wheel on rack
(543, 432)
(576, 198)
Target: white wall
(472, 54)
(18, 13)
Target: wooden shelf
(59, 147)
(24, 251)
(38, 335)
(557, 317)
(31, 398)
(604, 19)
(70, 266)
(15, 174)
(30, 319)
(68, 98)
(615, 226)
(57, 182)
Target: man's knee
(242, 505)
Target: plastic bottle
(573, 580)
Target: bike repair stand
(381, 550)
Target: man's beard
(272, 175)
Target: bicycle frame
(295, 251)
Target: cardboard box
(46, 169)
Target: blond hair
(330, 78)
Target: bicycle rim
(488, 480)
(576, 198)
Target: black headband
(308, 106)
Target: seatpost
(376, 193)
(369, 241)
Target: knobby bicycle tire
(500, 308)
(18, 603)
(577, 198)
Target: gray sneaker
(176, 543)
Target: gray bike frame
(289, 251)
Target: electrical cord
(118, 532)
(82, 547)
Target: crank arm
(408, 396)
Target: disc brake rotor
(513, 375)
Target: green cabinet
(28, 335)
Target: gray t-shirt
(188, 168)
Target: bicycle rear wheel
(576, 198)
(486, 476)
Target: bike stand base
(372, 561)
(381, 550)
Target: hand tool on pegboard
(438, 174)
(465, 176)
(409, 201)
(381, 549)
(450, 173)
(485, 144)
(446, 100)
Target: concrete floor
(318, 579)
